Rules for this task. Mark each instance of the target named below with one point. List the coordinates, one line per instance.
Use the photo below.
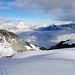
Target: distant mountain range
(58, 27)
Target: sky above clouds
(38, 10)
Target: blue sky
(36, 11)
(33, 16)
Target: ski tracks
(3, 70)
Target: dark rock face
(43, 48)
(15, 42)
(62, 45)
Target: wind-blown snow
(55, 62)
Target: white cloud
(62, 9)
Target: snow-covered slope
(55, 62)
(58, 54)
(6, 50)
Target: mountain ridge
(10, 42)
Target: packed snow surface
(53, 62)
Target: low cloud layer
(63, 10)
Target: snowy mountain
(11, 44)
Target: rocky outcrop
(15, 41)
(62, 44)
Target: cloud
(10, 21)
(62, 9)
(4, 5)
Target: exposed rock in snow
(10, 44)
(11, 38)
(64, 44)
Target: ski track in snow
(3, 70)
